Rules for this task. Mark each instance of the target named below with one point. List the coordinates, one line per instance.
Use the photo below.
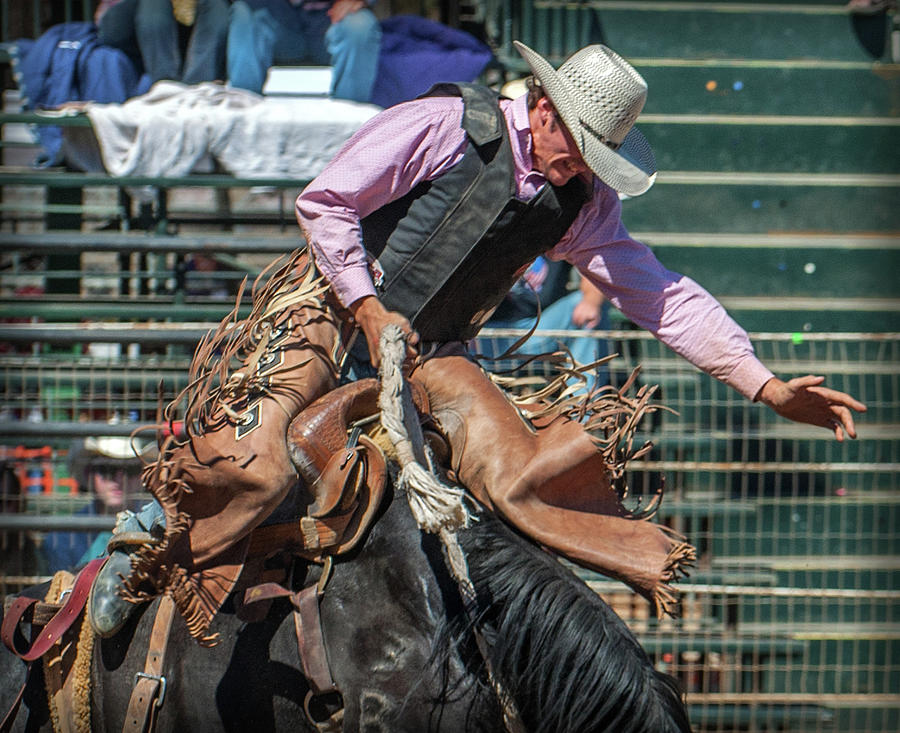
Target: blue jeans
(147, 31)
(556, 317)
(263, 34)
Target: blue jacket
(68, 64)
(417, 53)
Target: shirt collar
(521, 128)
(528, 181)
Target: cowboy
(108, 469)
(424, 220)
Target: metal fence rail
(791, 619)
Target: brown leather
(338, 530)
(320, 432)
(369, 496)
(233, 484)
(308, 627)
(551, 482)
(318, 435)
(313, 656)
(147, 696)
(344, 469)
(236, 484)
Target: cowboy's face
(554, 153)
(108, 487)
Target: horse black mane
(562, 654)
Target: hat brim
(117, 448)
(631, 169)
(108, 451)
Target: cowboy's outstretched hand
(803, 399)
(372, 317)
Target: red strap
(11, 619)
(60, 622)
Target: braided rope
(437, 507)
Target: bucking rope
(437, 507)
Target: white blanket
(172, 128)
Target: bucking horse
(409, 629)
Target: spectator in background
(179, 40)
(200, 282)
(108, 469)
(568, 302)
(344, 34)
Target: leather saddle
(343, 474)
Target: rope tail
(437, 507)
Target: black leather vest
(452, 248)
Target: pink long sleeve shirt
(420, 140)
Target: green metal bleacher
(775, 131)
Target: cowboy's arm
(340, 9)
(692, 322)
(372, 317)
(804, 399)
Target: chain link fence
(789, 622)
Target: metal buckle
(326, 574)
(162, 683)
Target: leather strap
(57, 626)
(265, 592)
(150, 685)
(311, 642)
(308, 626)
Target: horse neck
(563, 655)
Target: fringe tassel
(214, 387)
(680, 559)
(608, 414)
(611, 417)
(189, 602)
(214, 380)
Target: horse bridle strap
(149, 690)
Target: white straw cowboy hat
(599, 96)
(117, 451)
